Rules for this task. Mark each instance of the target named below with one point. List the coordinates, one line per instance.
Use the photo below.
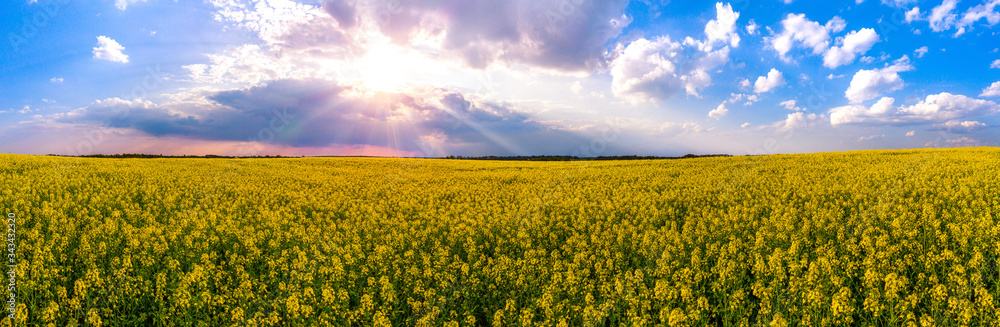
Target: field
(887, 238)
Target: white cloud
(745, 84)
(898, 3)
(672, 128)
(941, 17)
(913, 15)
(911, 133)
(869, 84)
(935, 108)
(122, 4)
(858, 113)
(836, 24)
(271, 20)
(244, 64)
(645, 70)
(974, 14)
(872, 137)
(800, 120)
(869, 59)
(738, 97)
(719, 111)
(753, 28)
(799, 30)
(992, 91)
(109, 49)
(920, 52)
(995, 64)
(651, 70)
(852, 45)
(944, 17)
(959, 126)
(295, 41)
(961, 140)
(790, 105)
(56, 80)
(767, 83)
(723, 28)
(745, 125)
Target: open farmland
(891, 238)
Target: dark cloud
(318, 113)
(319, 38)
(562, 35)
(343, 12)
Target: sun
(384, 68)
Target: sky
(430, 78)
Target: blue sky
(450, 77)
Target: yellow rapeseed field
(888, 238)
